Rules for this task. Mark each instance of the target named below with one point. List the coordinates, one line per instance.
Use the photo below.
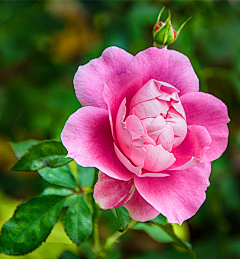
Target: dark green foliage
(123, 217)
(48, 153)
(57, 191)
(85, 175)
(78, 220)
(31, 224)
(60, 176)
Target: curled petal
(208, 111)
(154, 127)
(151, 90)
(179, 126)
(139, 209)
(150, 109)
(120, 87)
(123, 135)
(166, 138)
(129, 139)
(157, 158)
(126, 162)
(110, 193)
(192, 149)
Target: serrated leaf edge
(24, 202)
(67, 231)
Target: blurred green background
(41, 45)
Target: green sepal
(123, 217)
(164, 35)
(181, 27)
(78, 219)
(48, 153)
(158, 20)
(30, 225)
(61, 176)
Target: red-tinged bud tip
(157, 27)
(164, 33)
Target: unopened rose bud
(164, 33)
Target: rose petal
(165, 65)
(88, 139)
(90, 78)
(139, 209)
(179, 126)
(179, 196)
(206, 170)
(151, 90)
(154, 127)
(135, 128)
(166, 138)
(157, 158)
(110, 193)
(123, 135)
(132, 148)
(208, 111)
(192, 149)
(118, 88)
(125, 161)
(150, 109)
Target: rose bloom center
(153, 124)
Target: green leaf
(123, 217)
(48, 153)
(56, 191)
(160, 219)
(20, 148)
(181, 243)
(60, 176)
(30, 225)
(78, 219)
(154, 232)
(85, 176)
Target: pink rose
(149, 131)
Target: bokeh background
(41, 45)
